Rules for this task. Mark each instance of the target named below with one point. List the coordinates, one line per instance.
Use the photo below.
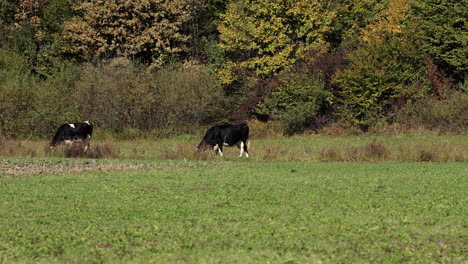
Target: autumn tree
(387, 68)
(265, 36)
(32, 29)
(351, 17)
(148, 30)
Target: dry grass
(17, 148)
(77, 150)
(375, 152)
(313, 148)
(18, 167)
(9, 147)
(185, 152)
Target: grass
(231, 211)
(401, 148)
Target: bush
(16, 102)
(298, 118)
(446, 115)
(126, 97)
(296, 101)
(188, 95)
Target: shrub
(125, 97)
(447, 114)
(297, 119)
(296, 101)
(187, 95)
(16, 103)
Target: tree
(442, 33)
(352, 16)
(265, 36)
(386, 68)
(148, 30)
(32, 29)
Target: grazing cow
(226, 135)
(75, 132)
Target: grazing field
(56, 210)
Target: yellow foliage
(389, 23)
(138, 28)
(271, 35)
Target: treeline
(167, 65)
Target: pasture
(142, 206)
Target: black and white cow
(73, 132)
(226, 135)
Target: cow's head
(204, 146)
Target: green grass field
(231, 210)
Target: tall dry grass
(300, 149)
(183, 151)
(17, 148)
(77, 150)
(374, 152)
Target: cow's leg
(217, 148)
(86, 147)
(246, 145)
(220, 148)
(87, 143)
(241, 148)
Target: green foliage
(267, 36)
(189, 95)
(352, 16)
(54, 101)
(378, 76)
(56, 13)
(32, 28)
(385, 69)
(122, 95)
(296, 101)
(442, 33)
(32, 106)
(398, 51)
(16, 94)
(204, 36)
(445, 114)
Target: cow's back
(73, 131)
(235, 133)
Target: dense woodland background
(159, 67)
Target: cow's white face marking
(72, 125)
(87, 122)
(68, 142)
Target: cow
(226, 135)
(73, 132)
